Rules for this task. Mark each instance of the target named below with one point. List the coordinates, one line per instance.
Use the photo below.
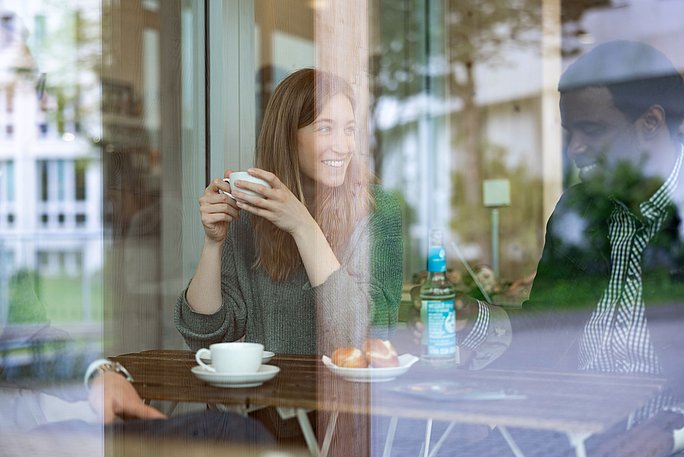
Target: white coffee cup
(244, 176)
(232, 358)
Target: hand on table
(217, 210)
(112, 396)
(278, 204)
(652, 438)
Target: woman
(319, 253)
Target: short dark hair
(637, 75)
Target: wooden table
(577, 404)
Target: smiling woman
(317, 261)
(326, 145)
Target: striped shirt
(616, 336)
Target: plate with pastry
(375, 361)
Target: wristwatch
(101, 366)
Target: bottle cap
(436, 259)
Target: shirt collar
(663, 195)
(658, 202)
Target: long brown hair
(296, 103)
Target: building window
(7, 181)
(61, 180)
(80, 171)
(44, 181)
(63, 193)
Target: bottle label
(440, 328)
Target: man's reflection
(613, 253)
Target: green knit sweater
(361, 297)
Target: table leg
(577, 441)
(307, 431)
(441, 439)
(329, 432)
(390, 436)
(511, 443)
(428, 434)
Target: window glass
(555, 185)
(89, 230)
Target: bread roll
(349, 357)
(380, 354)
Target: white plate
(372, 374)
(265, 358)
(265, 373)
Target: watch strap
(101, 366)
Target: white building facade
(50, 176)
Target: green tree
(24, 305)
(481, 31)
(472, 223)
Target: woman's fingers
(217, 208)
(266, 176)
(254, 200)
(220, 207)
(260, 190)
(215, 218)
(253, 209)
(216, 198)
(215, 185)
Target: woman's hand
(277, 204)
(283, 209)
(217, 210)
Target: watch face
(114, 367)
(123, 371)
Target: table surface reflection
(561, 401)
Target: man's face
(598, 136)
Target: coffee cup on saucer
(231, 358)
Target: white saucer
(235, 380)
(265, 358)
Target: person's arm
(204, 291)
(111, 395)
(360, 289)
(318, 258)
(213, 307)
(217, 211)
(279, 205)
(229, 322)
(365, 292)
(661, 436)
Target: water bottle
(437, 296)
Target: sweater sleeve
(229, 322)
(366, 290)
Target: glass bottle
(437, 296)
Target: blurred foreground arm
(112, 395)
